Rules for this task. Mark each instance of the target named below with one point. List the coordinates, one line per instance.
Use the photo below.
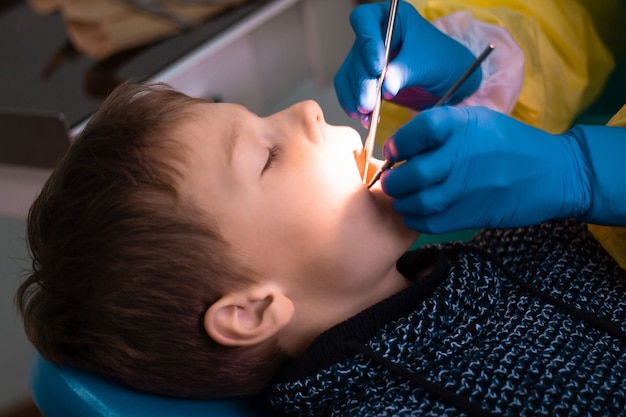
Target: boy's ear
(249, 316)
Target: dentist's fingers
(425, 132)
(428, 201)
(355, 81)
(414, 175)
(369, 25)
(355, 88)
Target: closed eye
(272, 153)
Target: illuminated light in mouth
(360, 163)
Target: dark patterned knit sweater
(522, 322)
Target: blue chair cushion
(61, 391)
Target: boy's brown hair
(124, 266)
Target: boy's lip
(374, 164)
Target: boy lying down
(193, 249)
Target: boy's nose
(311, 110)
(303, 118)
(310, 116)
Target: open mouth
(374, 164)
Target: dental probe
(484, 54)
(368, 148)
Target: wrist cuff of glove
(602, 152)
(503, 70)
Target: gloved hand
(424, 62)
(471, 167)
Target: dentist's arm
(471, 167)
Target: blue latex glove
(471, 167)
(424, 62)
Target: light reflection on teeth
(359, 159)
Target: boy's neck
(312, 319)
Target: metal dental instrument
(443, 100)
(368, 148)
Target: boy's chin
(392, 219)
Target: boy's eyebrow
(235, 137)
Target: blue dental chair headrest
(60, 391)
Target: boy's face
(287, 195)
